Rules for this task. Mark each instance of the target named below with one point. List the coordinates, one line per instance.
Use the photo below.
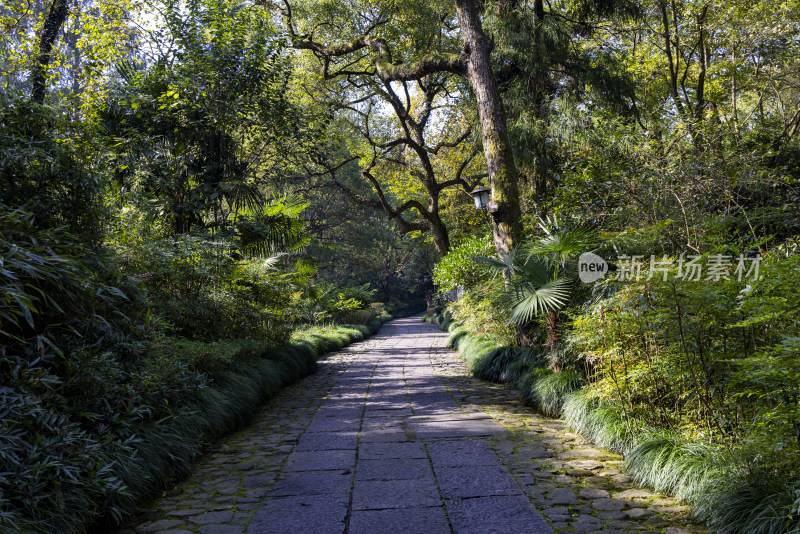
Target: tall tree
(415, 145)
(370, 55)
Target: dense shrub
(482, 310)
(704, 358)
(197, 284)
(457, 270)
(53, 176)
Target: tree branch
(450, 144)
(384, 65)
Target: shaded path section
(392, 434)
(391, 450)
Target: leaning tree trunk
(52, 25)
(503, 174)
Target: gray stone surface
(221, 529)
(477, 481)
(393, 435)
(211, 517)
(382, 494)
(320, 514)
(449, 427)
(400, 521)
(461, 453)
(156, 526)
(499, 515)
(391, 451)
(312, 483)
(324, 441)
(320, 460)
(397, 469)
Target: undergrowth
(730, 491)
(240, 376)
(165, 451)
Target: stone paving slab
(497, 515)
(393, 435)
(397, 469)
(313, 483)
(326, 441)
(391, 451)
(320, 514)
(430, 520)
(461, 453)
(319, 460)
(452, 416)
(385, 494)
(475, 481)
(453, 425)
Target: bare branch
(450, 144)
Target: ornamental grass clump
(670, 463)
(599, 421)
(547, 391)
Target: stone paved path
(392, 435)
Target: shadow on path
(392, 435)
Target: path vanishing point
(392, 435)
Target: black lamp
(482, 197)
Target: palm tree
(537, 285)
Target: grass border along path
(721, 494)
(166, 450)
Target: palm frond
(271, 263)
(535, 271)
(531, 300)
(507, 265)
(272, 228)
(558, 247)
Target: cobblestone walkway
(392, 435)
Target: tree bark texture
(503, 175)
(50, 29)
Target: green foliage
(758, 502)
(547, 391)
(483, 311)
(52, 175)
(672, 464)
(65, 339)
(55, 474)
(457, 270)
(197, 286)
(711, 361)
(193, 130)
(494, 365)
(598, 421)
(535, 284)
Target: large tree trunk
(52, 25)
(441, 238)
(503, 174)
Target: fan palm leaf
(558, 247)
(272, 228)
(531, 299)
(506, 266)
